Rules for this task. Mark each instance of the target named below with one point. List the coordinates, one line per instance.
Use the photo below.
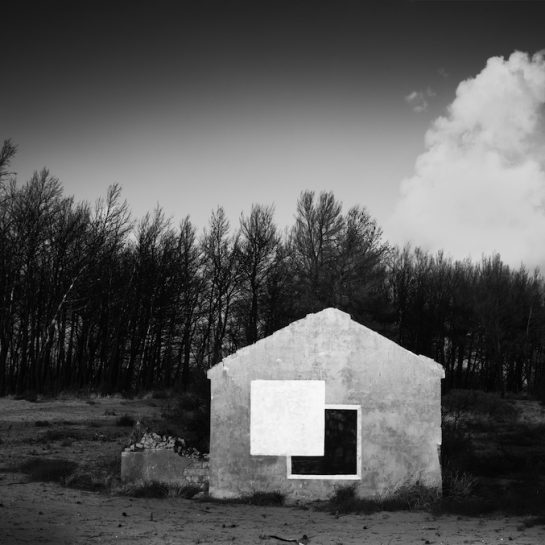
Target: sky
(427, 113)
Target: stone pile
(154, 441)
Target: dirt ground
(48, 513)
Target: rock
(200, 495)
(154, 441)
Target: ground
(89, 432)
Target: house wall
(399, 394)
(164, 466)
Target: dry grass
(407, 498)
(492, 460)
(458, 485)
(156, 489)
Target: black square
(340, 448)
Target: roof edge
(331, 313)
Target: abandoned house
(324, 403)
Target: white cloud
(419, 99)
(479, 187)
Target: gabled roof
(329, 318)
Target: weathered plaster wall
(398, 391)
(164, 466)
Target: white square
(287, 417)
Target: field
(59, 484)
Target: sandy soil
(47, 513)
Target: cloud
(419, 99)
(479, 186)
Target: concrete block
(191, 471)
(154, 465)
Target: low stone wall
(165, 466)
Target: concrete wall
(164, 466)
(399, 394)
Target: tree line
(92, 299)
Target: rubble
(154, 441)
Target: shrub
(457, 485)
(126, 420)
(42, 423)
(494, 465)
(516, 499)
(152, 489)
(265, 498)
(344, 500)
(190, 419)
(457, 449)
(460, 405)
(187, 491)
(413, 497)
(527, 434)
(155, 489)
(344, 497)
(97, 476)
(535, 521)
(189, 401)
(27, 396)
(406, 498)
(88, 479)
(47, 469)
(59, 435)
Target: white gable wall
(399, 395)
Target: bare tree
(257, 250)
(221, 273)
(314, 245)
(189, 297)
(7, 152)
